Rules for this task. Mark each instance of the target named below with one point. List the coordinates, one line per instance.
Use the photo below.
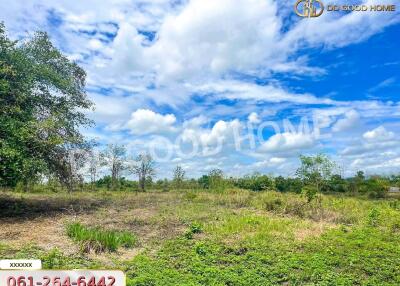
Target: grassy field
(234, 237)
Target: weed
(273, 205)
(373, 217)
(190, 196)
(194, 228)
(98, 240)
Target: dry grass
(40, 219)
(44, 232)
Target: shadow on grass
(23, 208)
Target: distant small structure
(394, 190)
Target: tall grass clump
(99, 240)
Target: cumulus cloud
(287, 141)
(350, 120)
(209, 38)
(145, 121)
(376, 141)
(220, 133)
(253, 118)
(192, 39)
(217, 36)
(378, 134)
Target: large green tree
(42, 99)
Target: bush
(194, 228)
(214, 180)
(121, 184)
(373, 217)
(288, 184)
(336, 184)
(310, 192)
(256, 183)
(98, 240)
(375, 187)
(273, 205)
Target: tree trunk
(142, 183)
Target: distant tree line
(316, 175)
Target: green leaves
(43, 98)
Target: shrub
(336, 184)
(288, 184)
(194, 228)
(375, 187)
(98, 240)
(256, 183)
(190, 195)
(273, 205)
(214, 180)
(373, 217)
(310, 192)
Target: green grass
(234, 237)
(260, 256)
(98, 240)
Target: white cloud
(195, 122)
(287, 141)
(277, 160)
(271, 162)
(217, 36)
(350, 120)
(220, 133)
(112, 108)
(385, 83)
(201, 39)
(378, 134)
(375, 142)
(253, 118)
(231, 89)
(365, 148)
(145, 121)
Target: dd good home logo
(309, 8)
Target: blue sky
(232, 84)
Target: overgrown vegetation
(230, 237)
(99, 240)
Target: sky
(240, 85)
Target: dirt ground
(40, 220)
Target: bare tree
(73, 163)
(144, 169)
(179, 176)
(115, 158)
(94, 163)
